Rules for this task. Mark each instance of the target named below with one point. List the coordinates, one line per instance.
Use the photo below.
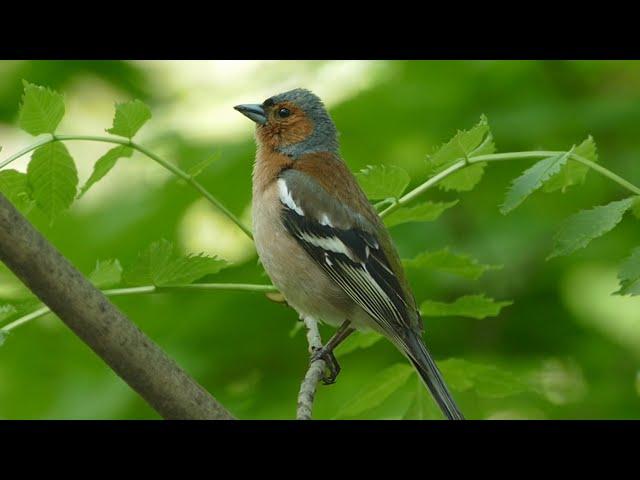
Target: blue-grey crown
(324, 137)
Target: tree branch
(88, 313)
(314, 373)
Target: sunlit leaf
(629, 275)
(465, 179)
(358, 340)
(41, 109)
(423, 212)
(462, 145)
(531, 180)
(377, 390)
(487, 380)
(104, 165)
(446, 261)
(578, 230)
(383, 181)
(574, 173)
(473, 306)
(129, 118)
(106, 273)
(157, 265)
(53, 178)
(14, 186)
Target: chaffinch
(322, 243)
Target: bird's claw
(330, 361)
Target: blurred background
(578, 346)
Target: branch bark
(106, 330)
(314, 373)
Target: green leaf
(104, 164)
(487, 380)
(532, 179)
(358, 340)
(7, 311)
(377, 391)
(629, 275)
(380, 182)
(3, 337)
(422, 407)
(423, 212)
(14, 186)
(158, 266)
(107, 273)
(579, 229)
(129, 118)
(473, 306)
(41, 109)
(201, 166)
(465, 179)
(574, 173)
(53, 178)
(448, 262)
(636, 207)
(464, 144)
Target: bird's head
(294, 123)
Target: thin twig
(314, 373)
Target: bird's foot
(326, 354)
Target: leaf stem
(145, 151)
(240, 287)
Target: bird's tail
(419, 356)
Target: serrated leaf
(380, 182)
(106, 273)
(465, 179)
(129, 118)
(448, 262)
(14, 186)
(158, 266)
(531, 180)
(377, 391)
(579, 229)
(574, 173)
(201, 166)
(358, 340)
(104, 164)
(463, 143)
(473, 306)
(53, 178)
(487, 380)
(629, 275)
(41, 109)
(423, 212)
(7, 311)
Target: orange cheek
(297, 131)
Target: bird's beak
(253, 111)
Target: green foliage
(6, 312)
(629, 275)
(532, 179)
(104, 165)
(487, 380)
(129, 118)
(380, 182)
(13, 185)
(449, 262)
(473, 306)
(41, 109)
(377, 390)
(106, 274)
(358, 340)
(465, 144)
(199, 167)
(579, 229)
(423, 212)
(157, 265)
(52, 178)
(422, 407)
(573, 173)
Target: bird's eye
(284, 112)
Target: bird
(321, 241)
